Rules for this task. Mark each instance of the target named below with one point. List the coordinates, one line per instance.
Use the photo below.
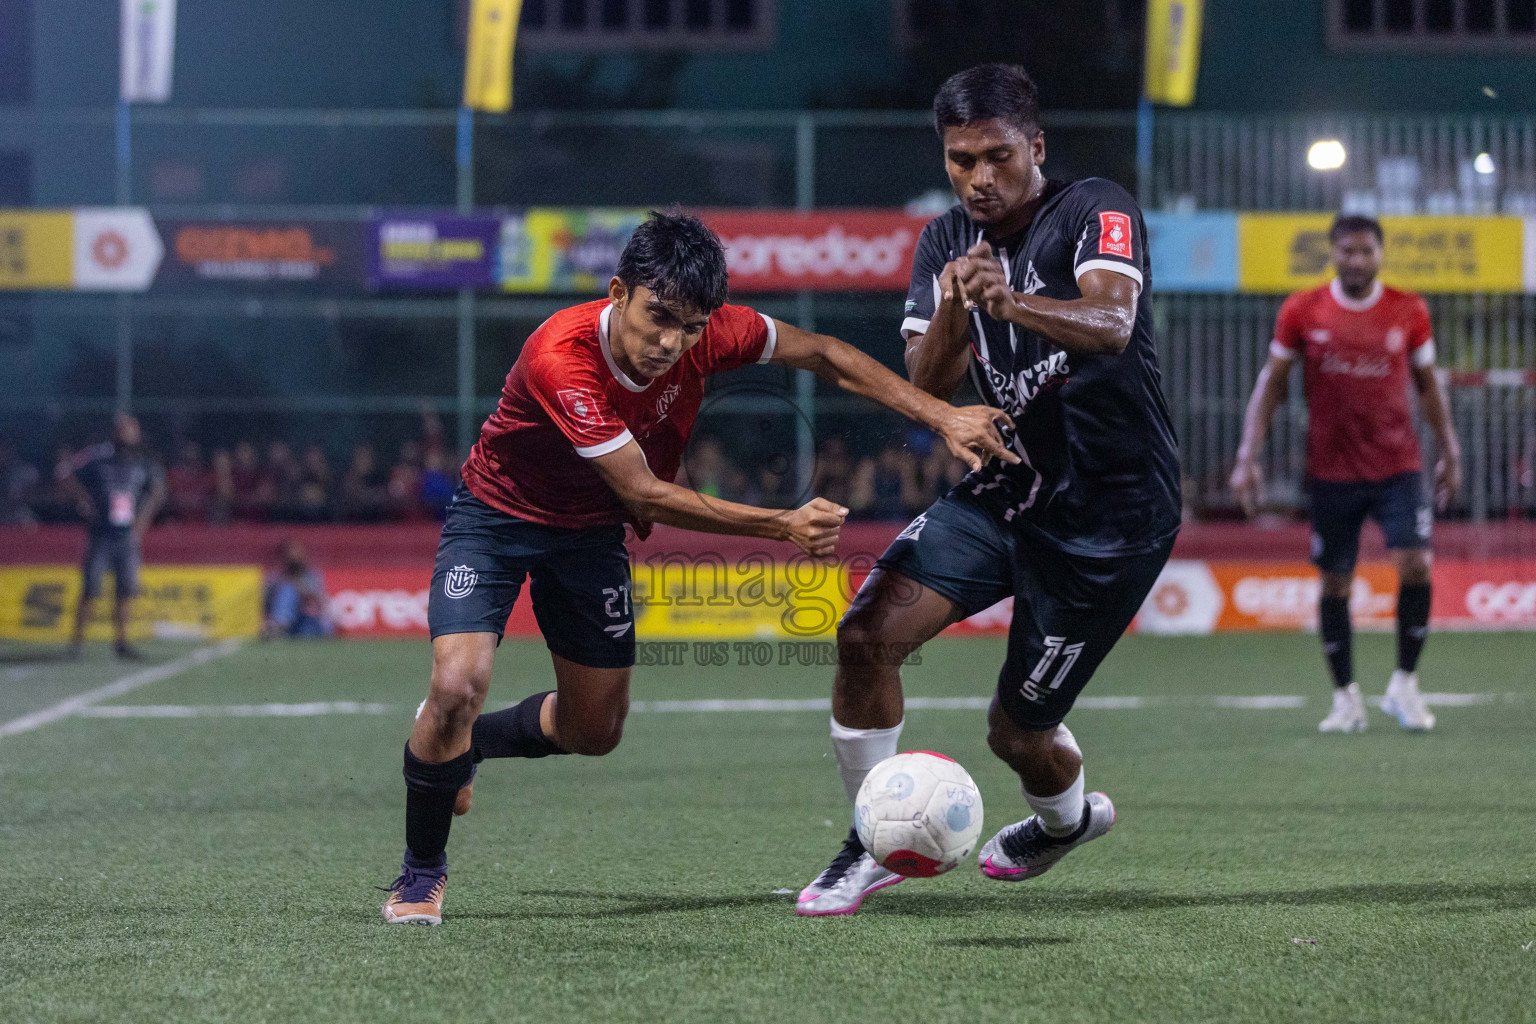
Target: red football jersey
(1355, 369)
(566, 401)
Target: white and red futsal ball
(918, 813)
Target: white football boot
(1404, 702)
(852, 875)
(1348, 714)
(1026, 850)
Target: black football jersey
(1100, 469)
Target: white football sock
(1062, 813)
(859, 750)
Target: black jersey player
(1037, 290)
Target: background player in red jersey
(588, 435)
(1360, 343)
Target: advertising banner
(433, 252)
(323, 253)
(148, 35)
(116, 249)
(37, 603)
(564, 250)
(488, 54)
(1284, 252)
(36, 249)
(1194, 252)
(1173, 51)
(828, 250)
(1486, 595)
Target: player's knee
(1413, 568)
(1337, 584)
(594, 739)
(457, 691)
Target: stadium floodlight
(1326, 155)
(1483, 164)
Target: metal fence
(1394, 164)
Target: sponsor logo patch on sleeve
(1115, 234)
(579, 405)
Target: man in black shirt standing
(120, 490)
(1036, 290)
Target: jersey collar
(602, 343)
(1353, 305)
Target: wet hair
(986, 92)
(678, 258)
(1345, 224)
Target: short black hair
(678, 258)
(1003, 92)
(1348, 223)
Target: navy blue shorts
(1068, 609)
(117, 550)
(1339, 510)
(580, 582)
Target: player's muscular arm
(969, 432)
(813, 527)
(937, 360)
(1099, 322)
(1269, 393)
(1437, 410)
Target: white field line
(127, 684)
(1262, 702)
(309, 710)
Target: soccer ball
(918, 813)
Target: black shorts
(117, 550)
(1068, 609)
(580, 582)
(1339, 511)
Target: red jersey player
(1360, 343)
(589, 433)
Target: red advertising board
(828, 250)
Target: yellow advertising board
(1285, 252)
(194, 602)
(36, 249)
(697, 597)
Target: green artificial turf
(219, 868)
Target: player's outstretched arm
(1268, 394)
(813, 527)
(1100, 322)
(970, 432)
(937, 359)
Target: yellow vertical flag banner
(1173, 51)
(488, 54)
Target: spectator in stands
(364, 492)
(281, 481)
(222, 504)
(437, 484)
(314, 490)
(295, 603)
(886, 486)
(941, 471)
(834, 471)
(190, 484)
(252, 495)
(405, 483)
(18, 486)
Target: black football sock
(430, 790)
(1412, 624)
(515, 732)
(1333, 623)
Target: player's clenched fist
(813, 527)
(983, 281)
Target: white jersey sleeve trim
(1424, 355)
(773, 338)
(1119, 268)
(1279, 351)
(603, 448)
(912, 325)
